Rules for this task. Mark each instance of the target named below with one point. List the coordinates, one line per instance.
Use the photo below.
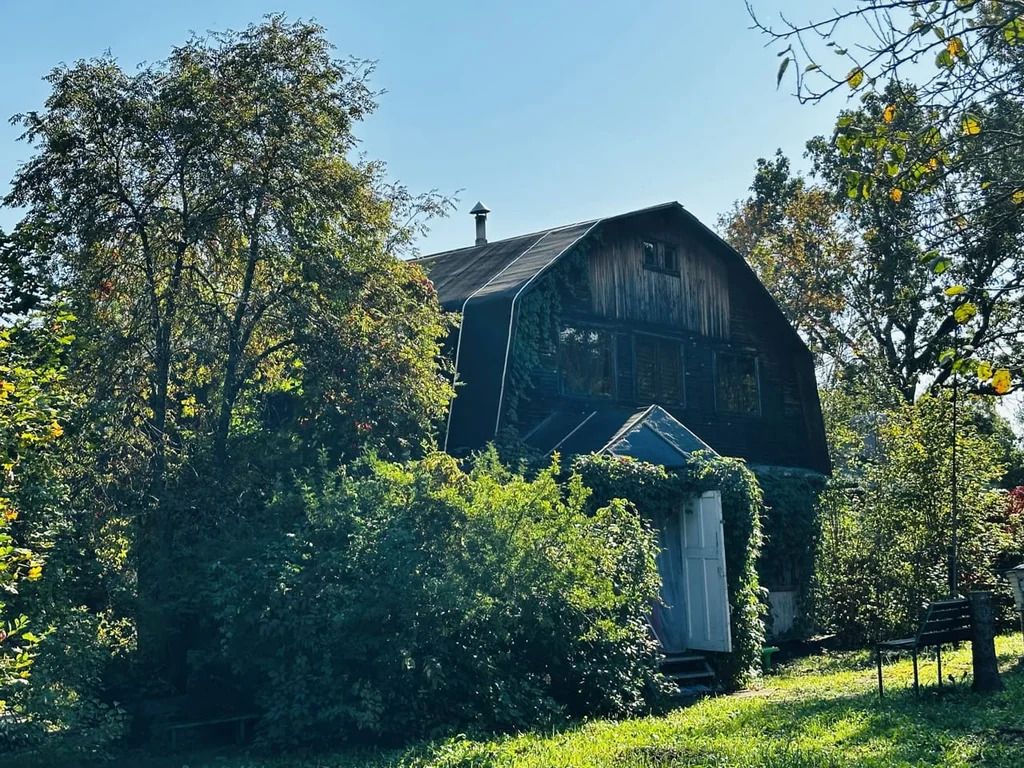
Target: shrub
(886, 540)
(407, 598)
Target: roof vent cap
(480, 212)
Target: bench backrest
(946, 621)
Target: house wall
(622, 288)
(711, 306)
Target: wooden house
(643, 334)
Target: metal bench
(946, 621)
(239, 721)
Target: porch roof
(651, 434)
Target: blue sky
(549, 112)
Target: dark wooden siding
(710, 306)
(695, 299)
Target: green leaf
(1013, 32)
(855, 78)
(853, 185)
(782, 71)
(947, 354)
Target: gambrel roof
(484, 283)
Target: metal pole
(954, 539)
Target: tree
(792, 234)
(950, 139)
(34, 399)
(864, 268)
(885, 545)
(232, 270)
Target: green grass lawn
(817, 712)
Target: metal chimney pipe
(480, 212)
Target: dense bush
(395, 599)
(655, 491)
(886, 526)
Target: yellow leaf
(971, 125)
(1018, 197)
(965, 312)
(955, 46)
(1001, 381)
(56, 430)
(984, 371)
(889, 113)
(855, 78)
(35, 572)
(955, 290)
(896, 194)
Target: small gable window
(736, 384)
(659, 370)
(669, 258)
(585, 362)
(650, 254)
(659, 256)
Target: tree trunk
(983, 644)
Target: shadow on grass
(803, 723)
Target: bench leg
(917, 685)
(938, 651)
(878, 656)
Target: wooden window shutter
(646, 368)
(669, 371)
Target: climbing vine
(655, 491)
(792, 531)
(539, 321)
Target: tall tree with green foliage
(943, 86)
(236, 275)
(854, 263)
(34, 401)
(885, 545)
(792, 233)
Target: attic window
(661, 257)
(650, 254)
(736, 384)
(585, 362)
(659, 370)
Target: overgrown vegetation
(819, 712)
(657, 492)
(887, 525)
(396, 600)
(792, 536)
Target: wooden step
(703, 674)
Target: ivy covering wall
(656, 491)
(792, 534)
(538, 322)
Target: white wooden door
(707, 596)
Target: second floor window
(736, 384)
(660, 256)
(586, 362)
(659, 370)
